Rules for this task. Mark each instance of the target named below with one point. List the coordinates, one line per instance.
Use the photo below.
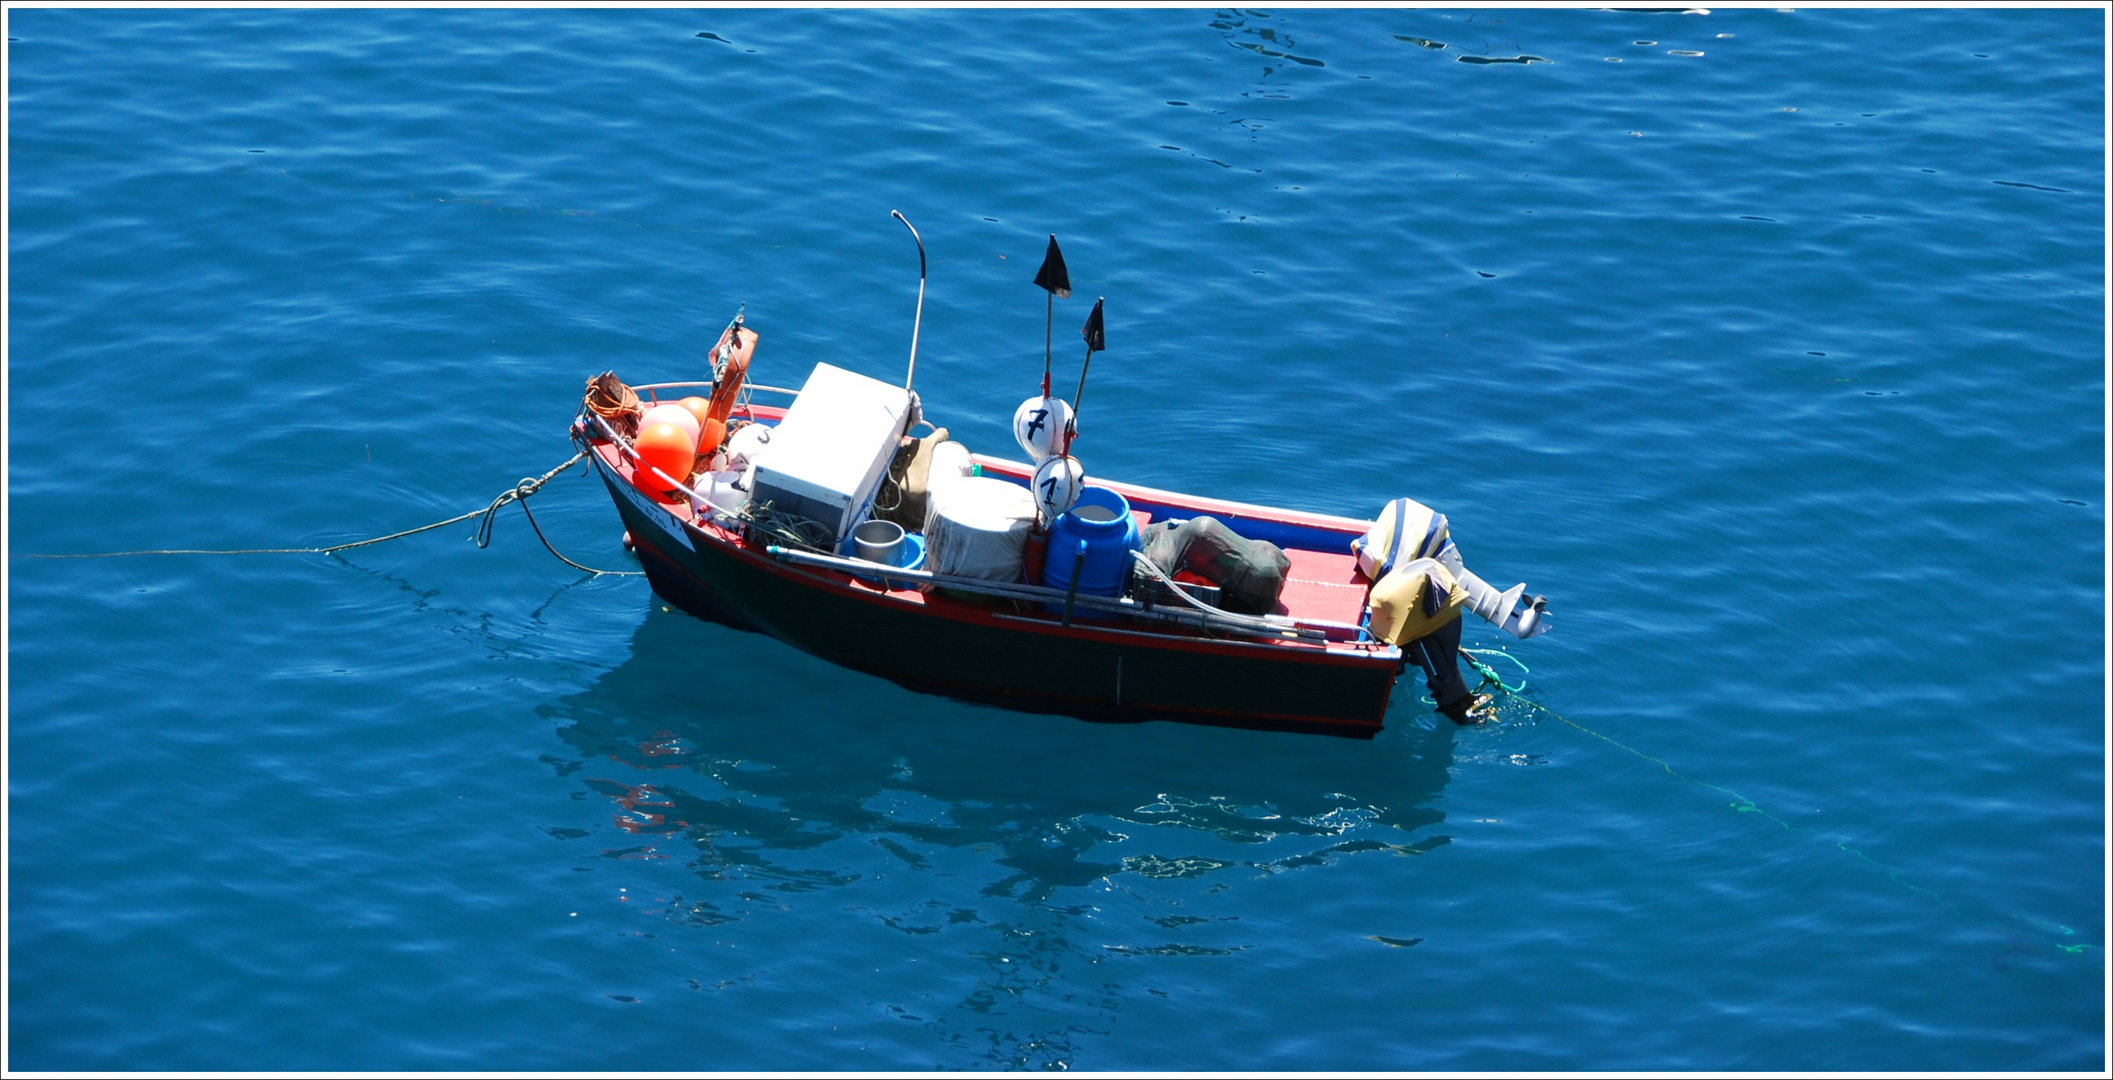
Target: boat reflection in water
(1054, 848)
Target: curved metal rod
(919, 323)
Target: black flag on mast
(1052, 275)
(1096, 335)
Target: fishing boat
(1024, 585)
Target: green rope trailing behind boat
(1489, 676)
(1742, 804)
(519, 493)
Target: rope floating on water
(1489, 675)
(519, 493)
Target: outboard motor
(1500, 609)
(1408, 530)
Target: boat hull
(999, 656)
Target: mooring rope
(1489, 675)
(519, 493)
(1742, 804)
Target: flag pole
(1096, 334)
(1054, 278)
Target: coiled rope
(519, 493)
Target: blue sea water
(1770, 345)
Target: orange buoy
(702, 410)
(714, 434)
(668, 448)
(670, 413)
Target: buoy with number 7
(1041, 425)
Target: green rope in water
(1489, 675)
(1742, 804)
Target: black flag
(1052, 275)
(1096, 341)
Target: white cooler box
(826, 457)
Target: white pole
(919, 323)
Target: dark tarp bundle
(1248, 573)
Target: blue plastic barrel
(1101, 520)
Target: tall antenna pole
(918, 325)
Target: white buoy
(1039, 424)
(746, 446)
(1057, 483)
